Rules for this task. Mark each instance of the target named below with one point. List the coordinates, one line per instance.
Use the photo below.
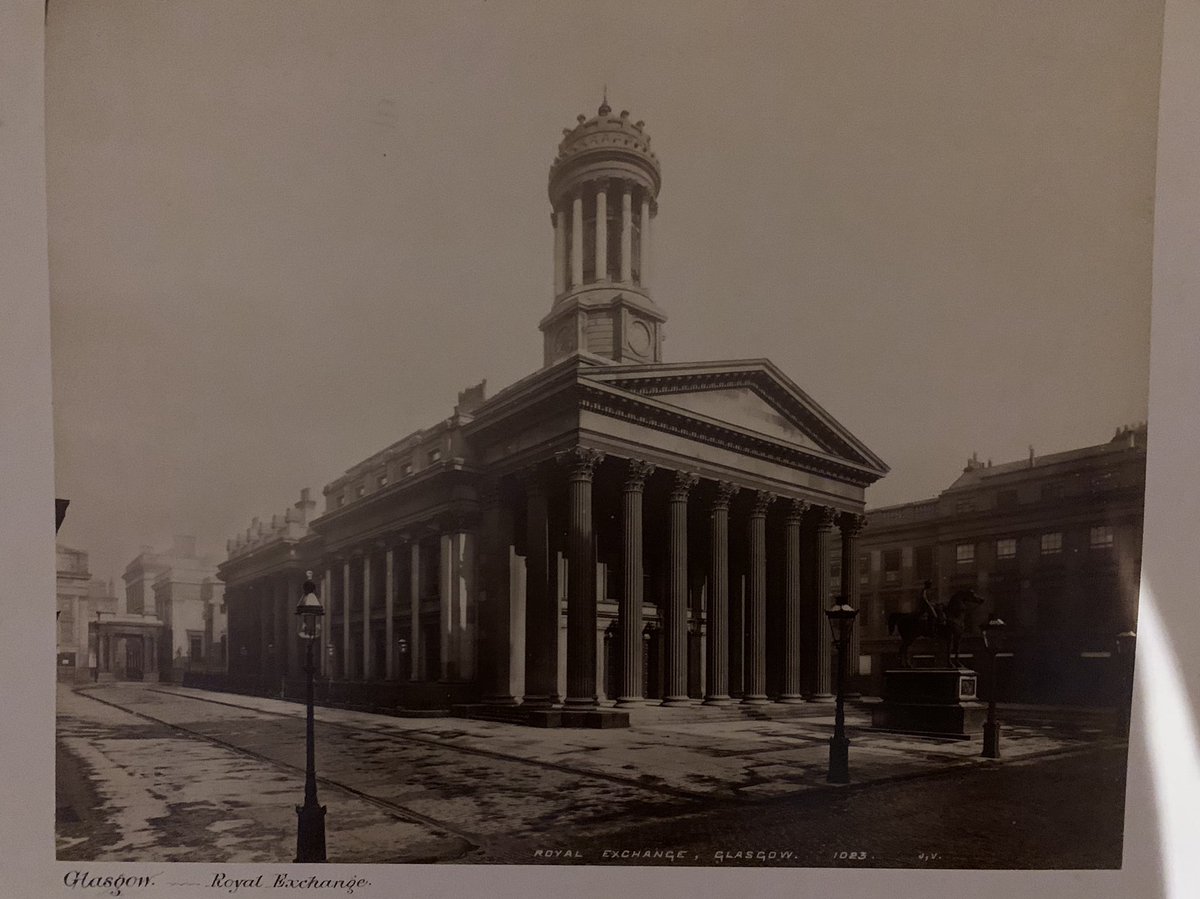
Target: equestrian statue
(943, 622)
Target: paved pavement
(158, 772)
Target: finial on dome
(604, 109)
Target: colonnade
(395, 609)
(736, 637)
(631, 233)
(477, 598)
(113, 654)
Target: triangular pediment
(751, 397)
(743, 407)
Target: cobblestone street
(162, 773)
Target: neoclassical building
(611, 529)
(1053, 544)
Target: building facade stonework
(612, 528)
(1051, 543)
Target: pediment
(743, 407)
(749, 397)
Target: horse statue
(948, 629)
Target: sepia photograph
(615, 434)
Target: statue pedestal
(930, 701)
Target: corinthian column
(541, 605)
(718, 592)
(347, 669)
(581, 464)
(367, 672)
(793, 675)
(632, 690)
(677, 610)
(851, 525)
(496, 615)
(756, 657)
(389, 609)
(822, 689)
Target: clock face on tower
(639, 338)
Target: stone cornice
(424, 479)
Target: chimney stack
(305, 505)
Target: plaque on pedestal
(930, 701)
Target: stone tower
(604, 186)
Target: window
(1006, 499)
(341, 500)
(196, 648)
(864, 664)
(1006, 548)
(1051, 543)
(361, 490)
(891, 566)
(923, 563)
(435, 455)
(383, 480)
(1102, 537)
(964, 553)
(864, 568)
(407, 470)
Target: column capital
(824, 517)
(682, 485)
(762, 499)
(580, 461)
(796, 510)
(726, 490)
(851, 523)
(636, 474)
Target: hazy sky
(285, 234)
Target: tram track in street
(471, 842)
(629, 782)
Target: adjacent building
(81, 599)
(173, 620)
(1053, 545)
(613, 528)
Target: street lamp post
(841, 623)
(1126, 641)
(993, 638)
(310, 835)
